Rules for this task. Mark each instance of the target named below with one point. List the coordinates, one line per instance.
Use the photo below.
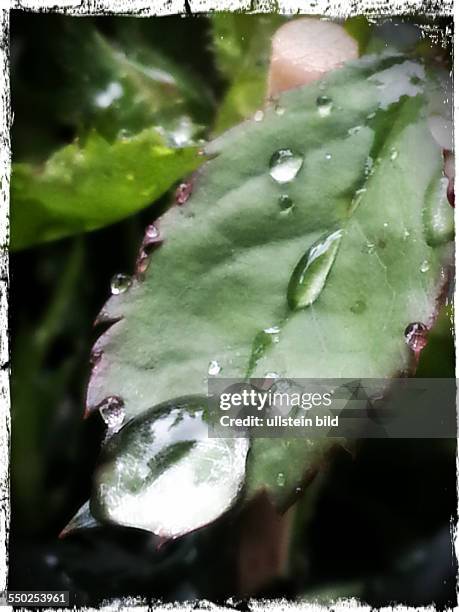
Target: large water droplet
(214, 368)
(285, 165)
(112, 412)
(308, 278)
(324, 105)
(437, 215)
(120, 283)
(285, 204)
(416, 336)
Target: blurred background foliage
(108, 116)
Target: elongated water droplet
(214, 368)
(324, 105)
(285, 165)
(437, 215)
(112, 412)
(120, 283)
(308, 278)
(285, 204)
(416, 336)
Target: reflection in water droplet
(120, 283)
(112, 412)
(280, 480)
(358, 307)
(259, 115)
(324, 105)
(285, 165)
(285, 204)
(416, 336)
(425, 266)
(214, 368)
(311, 272)
(437, 214)
(183, 192)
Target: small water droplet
(368, 168)
(437, 214)
(311, 272)
(183, 192)
(280, 480)
(354, 130)
(285, 165)
(259, 115)
(385, 224)
(393, 154)
(273, 332)
(416, 336)
(120, 283)
(271, 375)
(152, 232)
(279, 110)
(370, 247)
(406, 234)
(214, 368)
(324, 105)
(285, 204)
(112, 412)
(425, 266)
(358, 307)
(371, 115)
(328, 156)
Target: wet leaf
(86, 186)
(222, 274)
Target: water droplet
(152, 232)
(112, 412)
(425, 266)
(354, 130)
(324, 105)
(106, 97)
(328, 156)
(416, 336)
(368, 168)
(371, 116)
(406, 234)
(273, 332)
(358, 307)
(120, 283)
(279, 110)
(285, 165)
(437, 214)
(356, 200)
(385, 224)
(259, 115)
(183, 192)
(214, 368)
(271, 375)
(393, 154)
(311, 272)
(280, 480)
(285, 204)
(370, 247)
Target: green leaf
(242, 45)
(351, 153)
(86, 186)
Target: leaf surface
(350, 155)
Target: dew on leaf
(280, 480)
(324, 105)
(120, 283)
(214, 368)
(285, 165)
(285, 204)
(112, 412)
(425, 266)
(437, 215)
(311, 272)
(416, 336)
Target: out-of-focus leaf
(242, 44)
(309, 223)
(86, 186)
